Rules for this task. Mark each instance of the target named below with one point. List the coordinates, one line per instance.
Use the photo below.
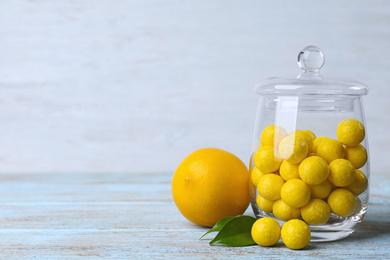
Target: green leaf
(235, 232)
(219, 225)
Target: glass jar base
(326, 236)
(337, 227)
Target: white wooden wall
(135, 86)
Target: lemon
(350, 132)
(266, 160)
(272, 135)
(295, 193)
(210, 184)
(255, 176)
(264, 204)
(341, 172)
(265, 231)
(289, 171)
(342, 202)
(315, 212)
(284, 212)
(270, 185)
(330, 149)
(293, 149)
(305, 136)
(321, 190)
(296, 234)
(317, 141)
(313, 170)
(359, 185)
(357, 155)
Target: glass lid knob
(311, 59)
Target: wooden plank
(171, 244)
(116, 187)
(72, 187)
(162, 215)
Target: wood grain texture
(132, 216)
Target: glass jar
(309, 155)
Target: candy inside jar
(310, 151)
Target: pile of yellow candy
(299, 175)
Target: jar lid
(310, 82)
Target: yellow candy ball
(255, 176)
(295, 193)
(265, 231)
(305, 136)
(330, 149)
(289, 171)
(296, 234)
(266, 159)
(293, 149)
(313, 170)
(341, 172)
(359, 185)
(272, 135)
(270, 185)
(315, 212)
(264, 204)
(350, 132)
(317, 142)
(342, 202)
(284, 212)
(321, 190)
(357, 155)
(312, 135)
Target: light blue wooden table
(132, 216)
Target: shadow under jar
(310, 155)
